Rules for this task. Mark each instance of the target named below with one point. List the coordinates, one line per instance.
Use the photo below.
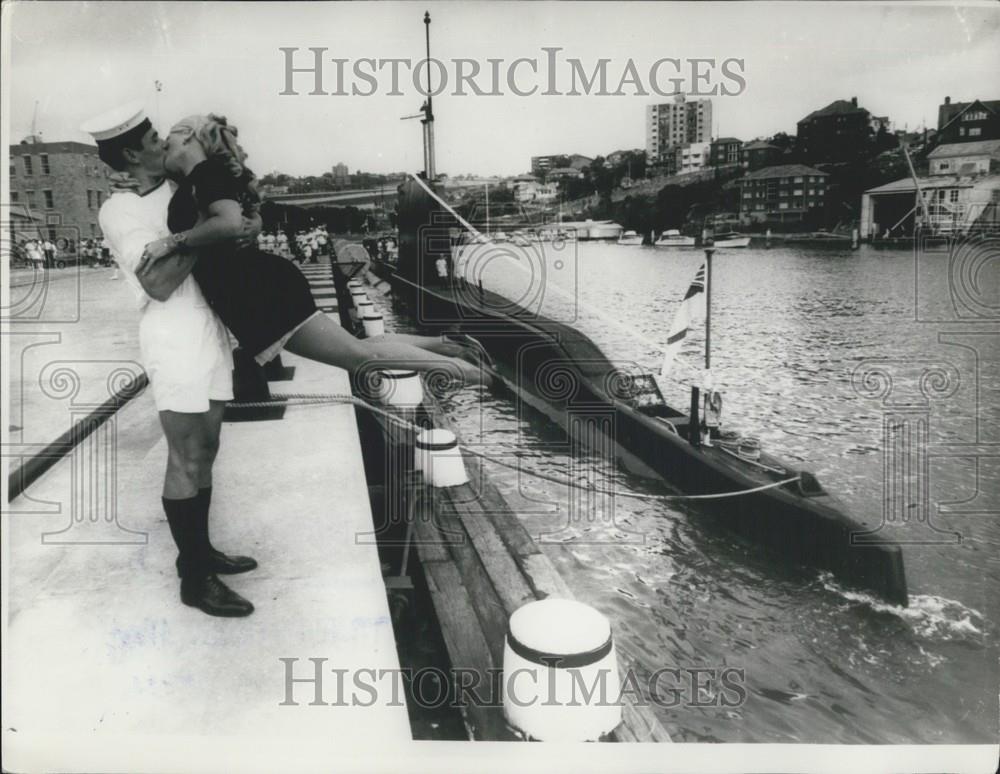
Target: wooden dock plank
(430, 544)
(489, 606)
(467, 647)
(510, 584)
(511, 531)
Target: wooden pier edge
(481, 565)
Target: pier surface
(98, 645)
(481, 564)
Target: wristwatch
(180, 239)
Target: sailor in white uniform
(185, 350)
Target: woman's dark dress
(259, 296)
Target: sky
(80, 59)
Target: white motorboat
(673, 238)
(731, 239)
(630, 238)
(603, 230)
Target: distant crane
(34, 136)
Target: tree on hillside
(602, 178)
(782, 140)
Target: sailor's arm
(170, 272)
(128, 236)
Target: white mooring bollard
(374, 325)
(437, 456)
(401, 388)
(358, 297)
(363, 309)
(561, 680)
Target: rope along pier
(321, 399)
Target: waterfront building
(677, 123)
(61, 183)
(968, 121)
(781, 194)
(725, 150)
(955, 205)
(692, 157)
(759, 154)
(836, 132)
(965, 158)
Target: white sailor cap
(115, 122)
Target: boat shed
(954, 204)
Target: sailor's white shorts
(186, 353)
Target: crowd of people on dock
(44, 254)
(39, 253)
(304, 246)
(382, 248)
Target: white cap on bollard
(374, 325)
(437, 456)
(561, 680)
(401, 388)
(358, 297)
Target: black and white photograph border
(629, 376)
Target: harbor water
(794, 333)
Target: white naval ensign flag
(694, 302)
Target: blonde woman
(263, 299)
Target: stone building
(63, 185)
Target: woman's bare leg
(325, 341)
(437, 344)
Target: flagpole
(708, 307)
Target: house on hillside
(725, 150)
(759, 154)
(833, 133)
(968, 121)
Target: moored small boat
(630, 238)
(673, 238)
(603, 230)
(731, 239)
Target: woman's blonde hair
(219, 140)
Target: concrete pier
(99, 648)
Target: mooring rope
(634, 495)
(320, 399)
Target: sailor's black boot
(222, 564)
(200, 587)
